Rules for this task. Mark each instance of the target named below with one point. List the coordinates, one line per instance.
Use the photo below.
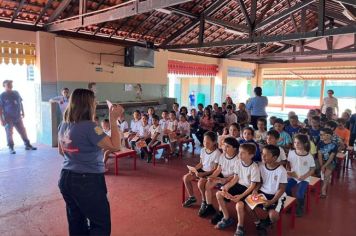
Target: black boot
(11, 150)
(300, 207)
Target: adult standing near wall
(330, 101)
(11, 114)
(62, 100)
(82, 181)
(257, 106)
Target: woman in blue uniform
(82, 181)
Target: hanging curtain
(17, 53)
(190, 68)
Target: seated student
(223, 108)
(143, 133)
(200, 112)
(134, 126)
(155, 139)
(323, 121)
(246, 175)
(193, 120)
(272, 120)
(329, 114)
(335, 138)
(302, 166)
(172, 129)
(310, 115)
(219, 119)
(175, 108)
(233, 131)
(313, 150)
(243, 118)
(209, 159)
(163, 123)
(273, 185)
(223, 173)
(183, 111)
(285, 140)
(261, 133)
(105, 124)
(272, 139)
(290, 114)
(293, 126)
(183, 127)
(247, 137)
(327, 150)
(206, 124)
(150, 113)
(122, 124)
(230, 117)
(314, 129)
(343, 132)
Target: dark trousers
(9, 128)
(88, 209)
(254, 119)
(302, 187)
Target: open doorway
(23, 82)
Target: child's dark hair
(152, 108)
(183, 116)
(249, 147)
(263, 120)
(293, 117)
(341, 121)
(209, 107)
(273, 133)
(331, 124)
(229, 107)
(137, 111)
(232, 142)
(172, 112)
(316, 118)
(166, 111)
(105, 121)
(201, 105)
(155, 117)
(279, 121)
(236, 125)
(273, 118)
(304, 140)
(303, 131)
(273, 149)
(249, 128)
(145, 115)
(327, 131)
(211, 135)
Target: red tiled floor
(143, 202)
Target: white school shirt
(62, 102)
(172, 124)
(247, 173)
(135, 126)
(163, 123)
(184, 128)
(271, 178)
(259, 136)
(154, 130)
(230, 118)
(282, 155)
(144, 131)
(227, 165)
(208, 160)
(300, 164)
(123, 125)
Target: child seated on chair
(134, 126)
(285, 140)
(122, 124)
(150, 113)
(314, 129)
(261, 132)
(293, 127)
(105, 124)
(248, 133)
(243, 118)
(223, 174)
(246, 175)
(155, 137)
(302, 166)
(342, 132)
(232, 131)
(273, 184)
(272, 139)
(272, 120)
(183, 127)
(209, 159)
(163, 122)
(327, 151)
(172, 131)
(143, 134)
(313, 150)
(331, 124)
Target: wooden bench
(164, 146)
(314, 185)
(187, 141)
(289, 204)
(123, 153)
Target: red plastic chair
(289, 204)
(314, 185)
(187, 141)
(164, 146)
(121, 154)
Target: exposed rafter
(19, 7)
(244, 11)
(62, 6)
(117, 12)
(46, 7)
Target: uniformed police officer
(11, 114)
